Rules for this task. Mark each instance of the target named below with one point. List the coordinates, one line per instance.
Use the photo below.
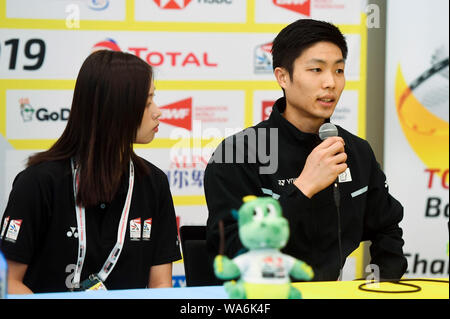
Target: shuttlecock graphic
(423, 111)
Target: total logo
(178, 114)
(181, 4)
(107, 44)
(28, 112)
(299, 6)
(161, 58)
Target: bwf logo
(299, 6)
(178, 114)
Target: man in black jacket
(284, 157)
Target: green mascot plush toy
(264, 271)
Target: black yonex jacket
(367, 210)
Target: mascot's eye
(258, 213)
(271, 211)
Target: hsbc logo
(172, 4)
(181, 4)
(299, 6)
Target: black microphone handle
(337, 201)
(336, 193)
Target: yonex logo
(73, 232)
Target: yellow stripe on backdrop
(363, 79)
(362, 251)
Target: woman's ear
(282, 76)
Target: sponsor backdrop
(213, 76)
(417, 129)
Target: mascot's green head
(261, 223)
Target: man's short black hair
(300, 35)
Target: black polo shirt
(39, 228)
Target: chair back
(198, 266)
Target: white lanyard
(81, 224)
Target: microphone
(327, 130)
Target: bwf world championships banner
(417, 129)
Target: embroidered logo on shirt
(13, 230)
(287, 181)
(73, 232)
(135, 229)
(345, 176)
(147, 229)
(5, 223)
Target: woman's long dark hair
(109, 100)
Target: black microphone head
(327, 130)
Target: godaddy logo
(28, 112)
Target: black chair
(198, 266)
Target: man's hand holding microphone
(324, 164)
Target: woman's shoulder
(154, 171)
(49, 167)
(47, 172)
